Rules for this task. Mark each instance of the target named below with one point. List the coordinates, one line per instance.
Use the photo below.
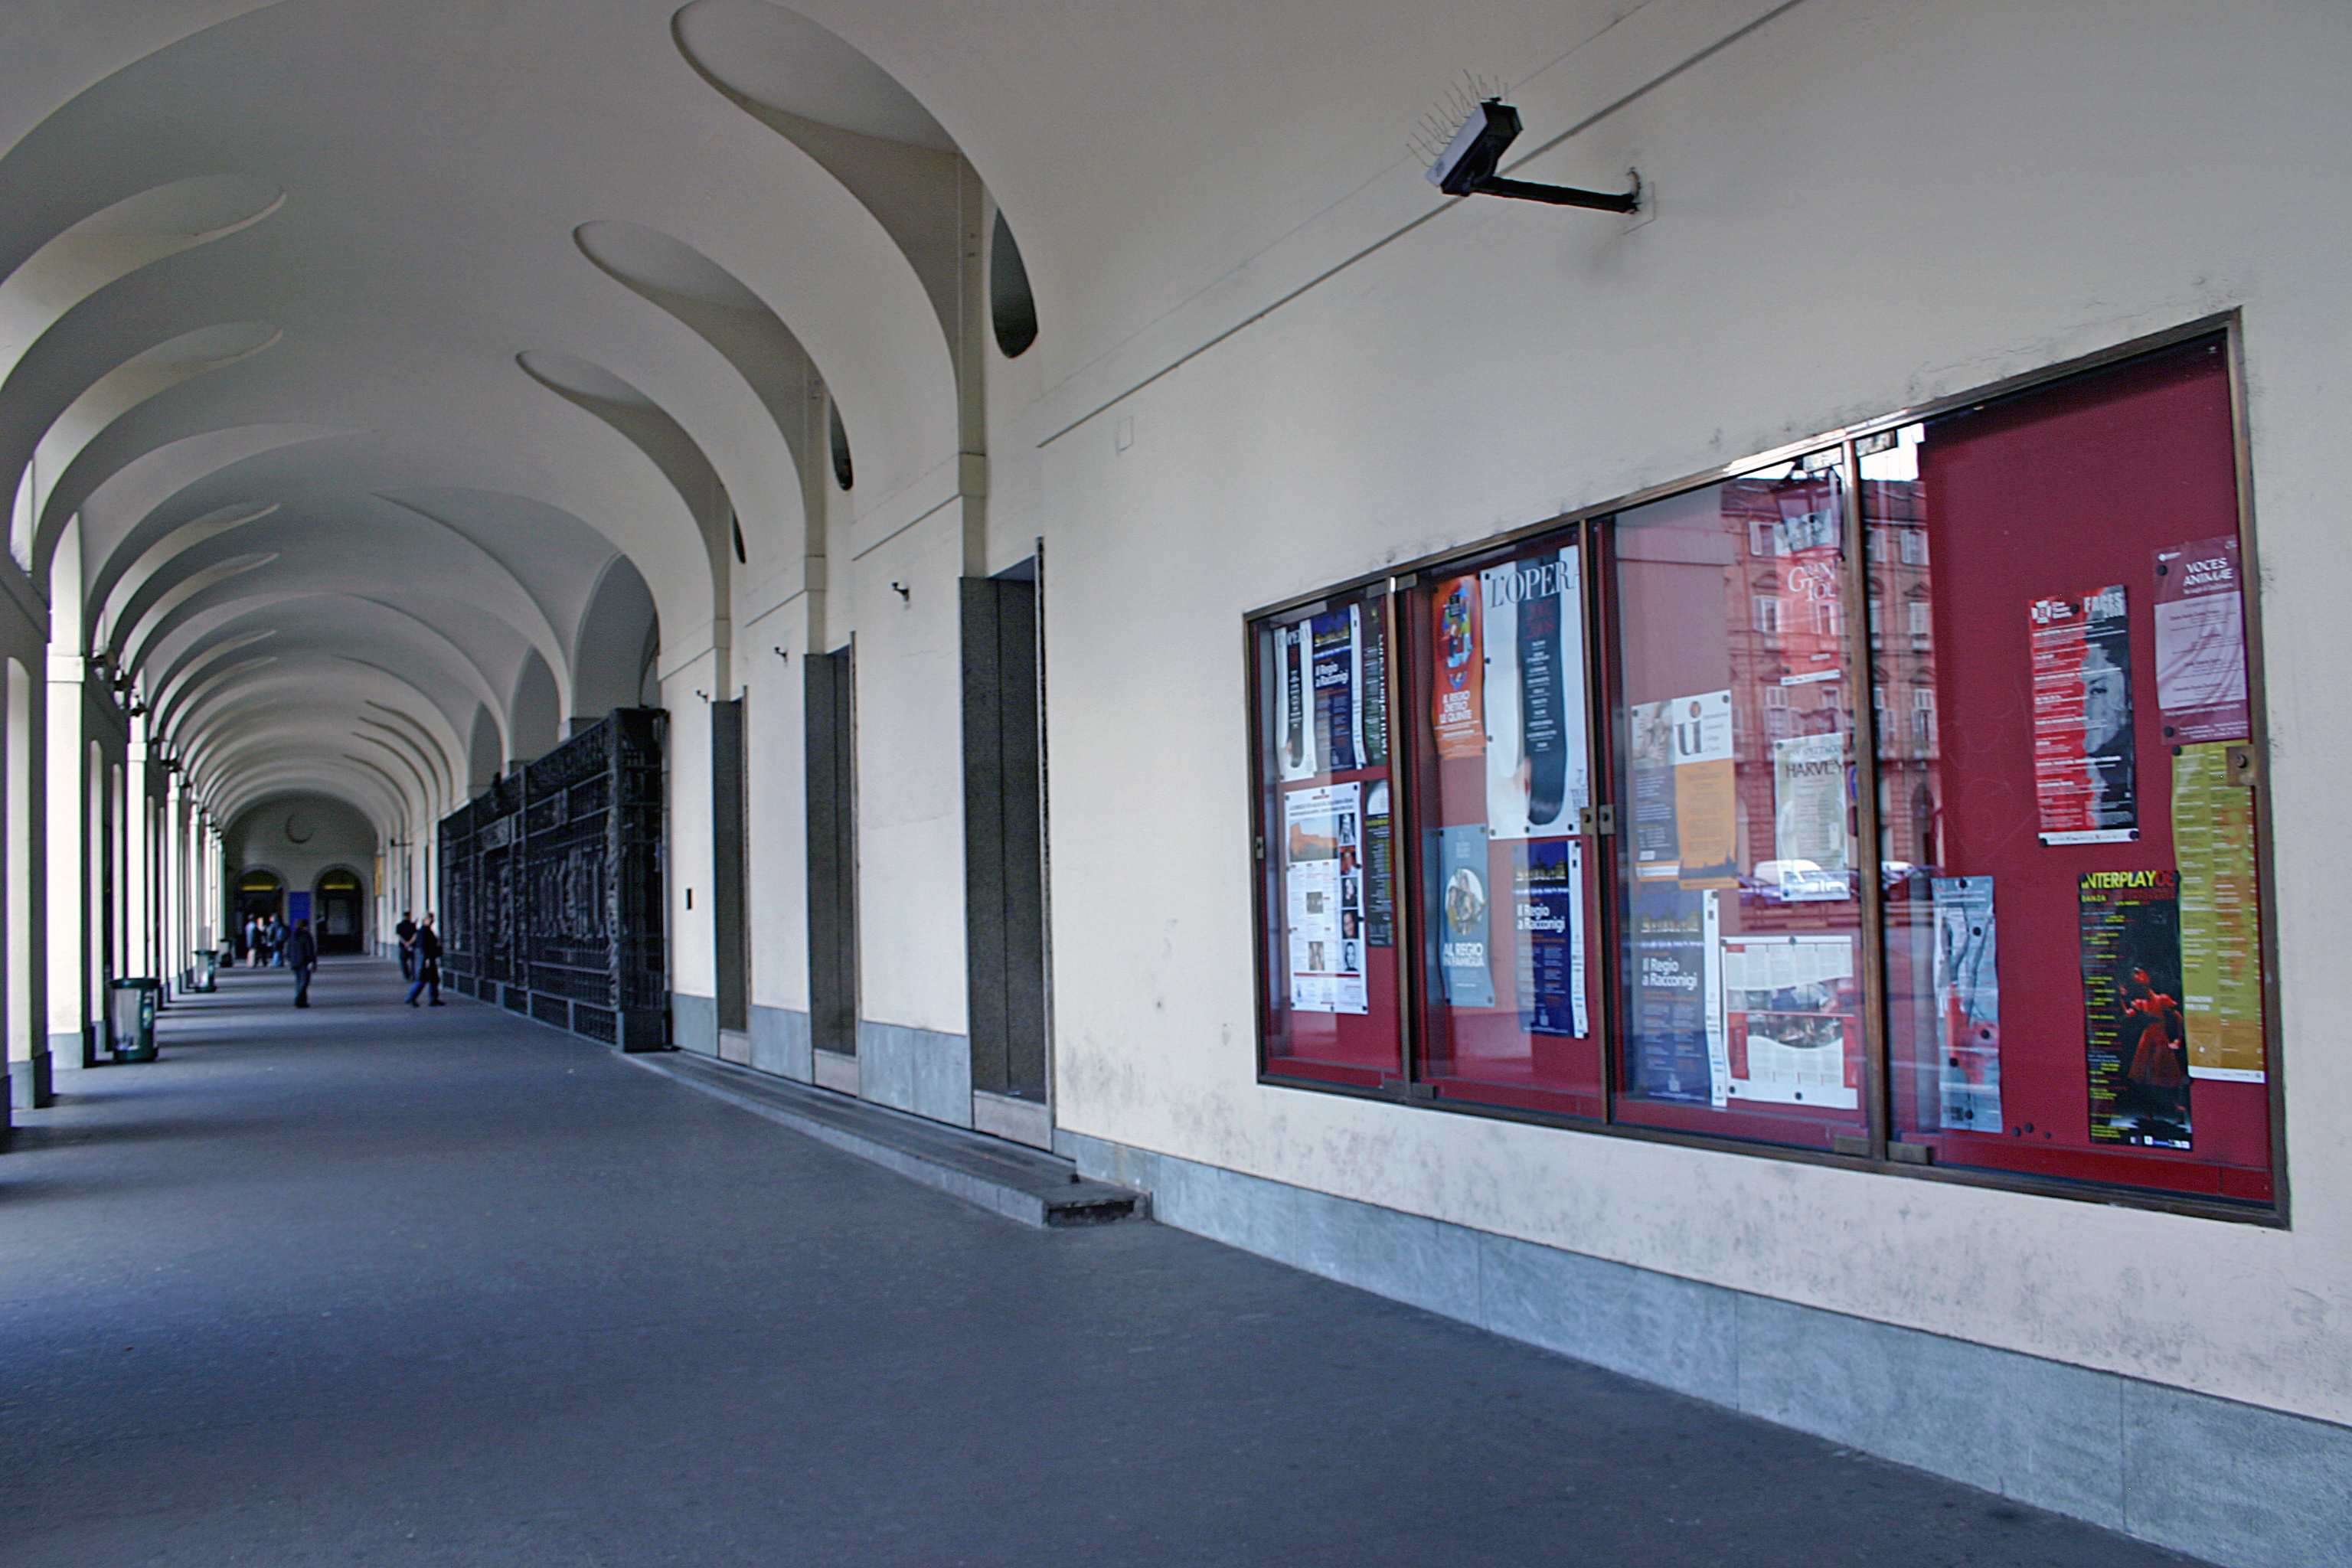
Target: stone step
(1026, 1185)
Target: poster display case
(1896, 799)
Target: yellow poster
(1707, 811)
(2221, 922)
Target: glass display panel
(1327, 842)
(2067, 783)
(1738, 921)
(1501, 747)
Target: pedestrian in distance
(256, 941)
(279, 933)
(406, 931)
(428, 961)
(301, 957)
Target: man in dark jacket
(428, 961)
(406, 931)
(278, 936)
(301, 953)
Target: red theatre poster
(2082, 753)
(2200, 642)
(1459, 679)
(2131, 1008)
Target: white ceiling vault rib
(266, 272)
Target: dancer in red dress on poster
(2156, 1062)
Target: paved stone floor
(369, 1285)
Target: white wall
(299, 836)
(1859, 206)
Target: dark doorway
(729, 867)
(342, 923)
(1005, 862)
(832, 730)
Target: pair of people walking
(420, 958)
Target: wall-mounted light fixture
(906, 594)
(1466, 167)
(780, 653)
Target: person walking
(428, 961)
(257, 942)
(406, 931)
(301, 954)
(279, 933)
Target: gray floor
(370, 1285)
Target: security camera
(1466, 167)
(1470, 159)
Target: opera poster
(1685, 792)
(1534, 695)
(1461, 917)
(1336, 643)
(1458, 676)
(1809, 817)
(1547, 901)
(1967, 1004)
(1668, 1056)
(2200, 642)
(1324, 902)
(1380, 867)
(2084, 783)
(2131, 1005)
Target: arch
(608, 661)
(339, 896)
(485, 751)
(536, 711)
(1011, 308)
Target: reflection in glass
(1738, 900)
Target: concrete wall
(299, 836)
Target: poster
(2220, 919)
(1336, 650)
(1462, 916)
(1325, 683)
(1534, 696)
(1380, 867)
(1685, 793)
(2200, 642)
(1297, 748)
(1809, 817)
(1668, 1057)
(2131, 1007)
(1791, 1020)
(1458, 684)
(2083, 752)
(1323, 886)
(1967, 1004)
(1547, 898)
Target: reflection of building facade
(1903, 670)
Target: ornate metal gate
(551, 887)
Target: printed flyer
(2083, 746)
(1968, 997)
(1380, 867)
(1534, 696)
(1809, 817)
(1458, 684)
(1667, 1055)
(1460, 922)
(2221, 916)
(1685, 792)
(1547, 896)
(1791, 1020)
(1323, 889)
(2200, 642)
(1323, 697)
(2131, 1007)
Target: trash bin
(201, 972)
(131, 1019)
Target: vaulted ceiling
(371, 366)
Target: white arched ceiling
(267, 273)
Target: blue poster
(1460, 918)
(1666, 1042)
(1547, 896)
